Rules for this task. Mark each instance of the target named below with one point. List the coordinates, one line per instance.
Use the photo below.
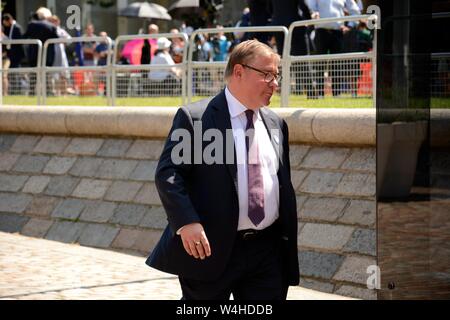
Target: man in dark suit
(40, 28)
(13, 31)
(284, 13)
(259, 16)
(14, 53)
(232, 221)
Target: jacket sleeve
(306, 14)
(285, 131)
(172, 178)
(312, 5)
(17, 33)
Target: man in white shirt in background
(328, 37)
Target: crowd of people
(329, 38)
(322, 39)
(43, 25)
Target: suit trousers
(329, 41)
(254, 271)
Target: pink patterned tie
(255, 178)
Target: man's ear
(237, 70)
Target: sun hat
(163, 43)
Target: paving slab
(38, 269)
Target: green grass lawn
(301, 101)
(440, 103)
(295, 101)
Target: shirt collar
(235, 107)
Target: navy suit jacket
(16, 53)
(208, 194)
(284, 12)
(42, 30)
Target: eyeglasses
(268, 76)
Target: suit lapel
(276, 137)
(274, 131)
(221, 118)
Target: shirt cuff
(179, 230)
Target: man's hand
(315, 15)
(195, 241)
(345, 29)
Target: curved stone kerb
(311, 126)
(331, 126)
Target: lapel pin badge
(275, 137)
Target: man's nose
(274, 83)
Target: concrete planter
(398, 148)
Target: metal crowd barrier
(138, 81)
(343, 67)
(25, 78)
(440, 75)
(203, 66)
(115, 80)
(87, 86)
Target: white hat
(163, 43)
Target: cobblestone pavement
(34, 268)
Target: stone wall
(80, 175)
(337, 214)
(97, 192)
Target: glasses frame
(272, 76)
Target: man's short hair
(43, 13)
(7, 17)
(246, 51)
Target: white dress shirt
(333, 9)
(268, 159)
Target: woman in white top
(61, 79)
(162, 56)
